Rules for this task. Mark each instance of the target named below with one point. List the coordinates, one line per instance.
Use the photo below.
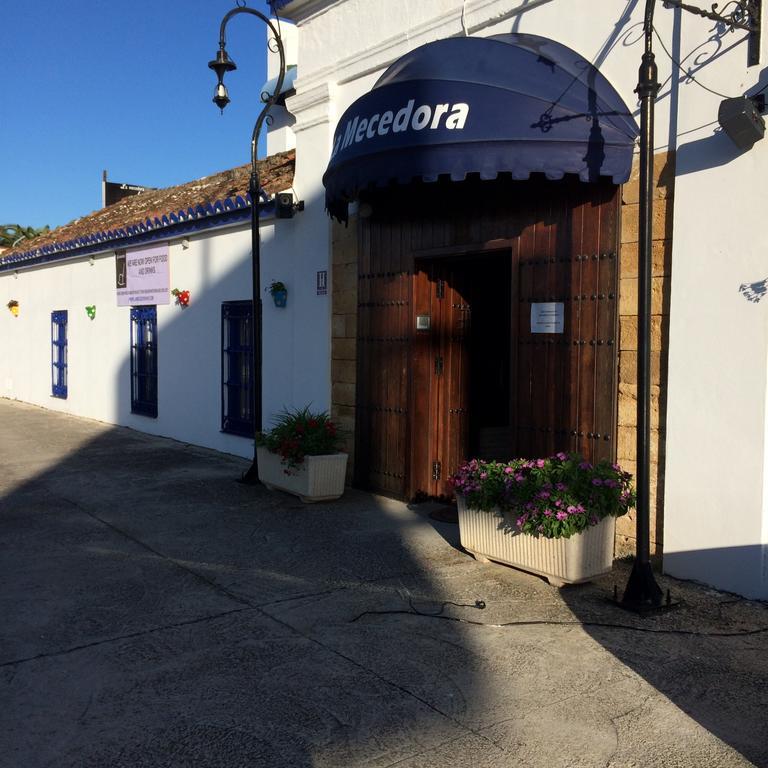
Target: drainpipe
(642, 591)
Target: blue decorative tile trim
(171, 225)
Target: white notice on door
(548, 317)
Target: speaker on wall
(740, 118)
(284, 208)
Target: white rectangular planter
(319, 478)
(561, 561)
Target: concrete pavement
(153, 612)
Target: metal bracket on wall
(736, 14)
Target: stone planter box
(319, 478)
(561, 561)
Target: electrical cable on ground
(480, 604)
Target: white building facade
(710, 492)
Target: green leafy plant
(299, 433)
(275, 287)
(555, 497)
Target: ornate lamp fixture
(221, 65)
(736, 14)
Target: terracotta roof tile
(276, 174)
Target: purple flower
(561, 487)
(561, 456)
(540, 463)
(543, 495)
(593, 520)
(585, 465)
(597, 481)
(561, 515)
(520, 478)
(547, 513)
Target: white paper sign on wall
(548, 317)
(146, 277)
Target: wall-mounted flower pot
(280, 298)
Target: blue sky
(90, 85)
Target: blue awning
(513, 103)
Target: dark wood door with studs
(486, 328)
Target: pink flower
(561, 456)
(540, 463)
(561, 515)
(508, 470)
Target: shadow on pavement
(158, 613)
(705, 657)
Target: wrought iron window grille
(59, 354)
(237, 339)
(144, 361)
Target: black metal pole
(251, 475)
(642, 589)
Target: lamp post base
(250, 476)
(643, 595)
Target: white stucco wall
(716, 522)
(215, 267)
(279, 136)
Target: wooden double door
(487, 334)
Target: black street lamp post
(221, 65)
(642, 591)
